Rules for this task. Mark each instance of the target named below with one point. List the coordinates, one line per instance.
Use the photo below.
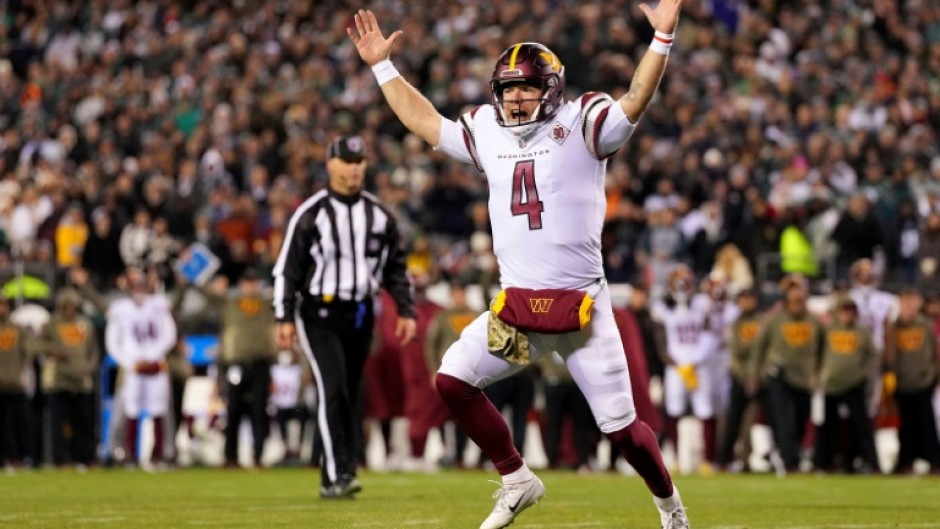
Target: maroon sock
(130, 439)
(709, 430)
(672, 431)
(418, 442)
(638, 445)
(481, 421)
(157, 455)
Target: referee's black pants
(336, 338)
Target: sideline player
(688, 352)
(877, 311)
(545, 162)
(139, 334)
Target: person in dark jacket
(102, 256)
(858, 233)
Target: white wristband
(384, 71)
(662, 42)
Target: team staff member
(786, 362)
(14, 417)
(915, 364)
(247, 354)
(340, 248)
(744, 332)
(849, 359)
(71, 350)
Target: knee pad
(613, 412)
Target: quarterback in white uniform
(139, 334)
(544, 159)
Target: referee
(340, 248)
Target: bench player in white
(690, 347)
(877, 311)
(716, 301)
(139, 334)
(545, 161)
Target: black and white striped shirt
(340, 248)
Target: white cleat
(512, 500)
(676, 519)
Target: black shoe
(341, 490)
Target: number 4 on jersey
(525, 196)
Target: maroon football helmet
(530, 63)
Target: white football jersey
(286, 382)
(874, 307)
(687, 339)
(721, 316)
(547, 199)
(140, 332)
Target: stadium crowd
(795, 137)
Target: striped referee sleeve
(294, 260)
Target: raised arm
(413, 109)
(650, 70)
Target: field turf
(457, 499)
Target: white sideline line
(100, 519)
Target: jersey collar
(345, 199)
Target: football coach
(341, 246)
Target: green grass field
(287, 498)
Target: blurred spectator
(101, 255)
(732, 268)
(135, 239)
(796, 253)
(928, 249)
(858, 234)
(162, 251)
(32, 209)
(70, 237)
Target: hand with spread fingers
(369, 40)
(665, 16)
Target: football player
(877, 311)
(545, 161)
(689, 348)
(139, 334)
